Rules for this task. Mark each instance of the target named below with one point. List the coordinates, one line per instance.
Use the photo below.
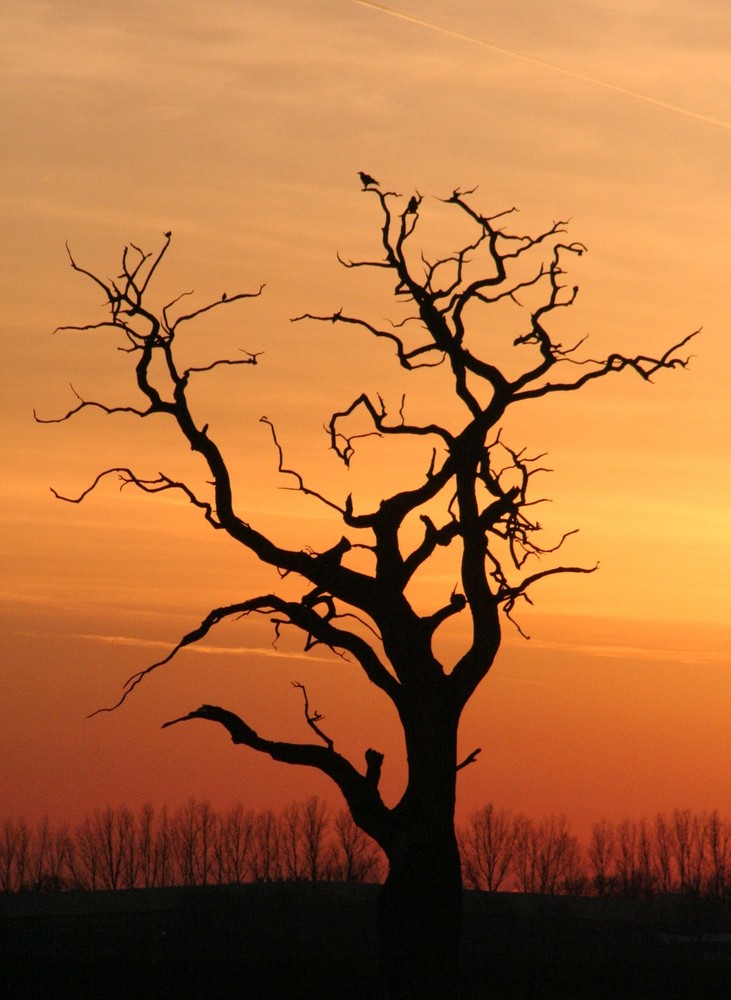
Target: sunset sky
(241, 127)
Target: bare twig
(313, 718)
(469, 759)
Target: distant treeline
(118, 848)
(192, 845)
(681, 852)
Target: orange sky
(242, 128)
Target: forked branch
(314, 717)
(302, 615)
(407, 356)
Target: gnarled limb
(378, 415)
(643, 365)
(359, 790)
(302, 615)
(225, 299)
(159, 485)
(84, 404)
(405, 355)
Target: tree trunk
(420, 905)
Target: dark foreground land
(303, 941)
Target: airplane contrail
(393, 12)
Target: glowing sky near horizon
(242, 128)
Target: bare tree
(486, 846)
(473, 498)
(128, 837)
(61, 866)
(15, 853)
(601, 857)
(627, 864)
(39, 855)
(647, 857)
(50, 857)
(315, 828)
(666, 879)
(688, 845)
(147, 856)
(87, 858)
(636, 862)
(164, 856)
(356, 858)
(546, 855)
(292, 837)
(525, 863)
(235, 839)
(719, 855)
(111, 833)
(192, 827)
(266, 855)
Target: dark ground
(299, 941)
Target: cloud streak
(265, 651)
(553, 67)
(611, 651)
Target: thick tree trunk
(420, 905)
(420, 910)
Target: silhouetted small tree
(355, 857)
(546, 856)
(471, 497)
(88, 856)
(111, 834)
(164, 855)
(266, 855)
(666, 879)
(147, 854)
(14, 854)
(193, 832)
(315, 827)
(601, 858)
(636, 862)
(719, 850)
(59, 859)
(235, 844)
(291, 839)
(487, 846)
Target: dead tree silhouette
(472, 498)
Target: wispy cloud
(615, 651)
(258, 651)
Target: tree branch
(378, 416)
(225, 300)
(313, 718)
(89, 404)
(645, 366)
(360, 791)
(300, 487)
(300, 614)
(470, 758)
(159, 485)
(406, 356)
